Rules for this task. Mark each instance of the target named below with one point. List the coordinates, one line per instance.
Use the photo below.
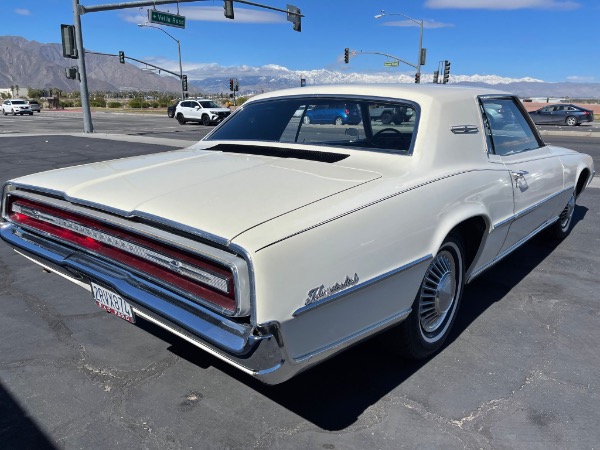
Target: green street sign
(391, 63)
(164, 18)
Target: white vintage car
(273, 244)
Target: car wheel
(436, 304)
(14, 113)
(31, 114)
(205, 120)
(339, 121)
(386, 118)
(4, 112)
(571, 121)
(562, 226)
(181, 119)
(170, 114)
(306, 120)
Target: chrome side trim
(387, 197)
(509, 250)
(541, 202)
(355, 336)
(364, 284)
(530, 208)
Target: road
(520, 369)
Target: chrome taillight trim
(235, 259)
(168, 262)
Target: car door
(544, 115)
(193, 111)
(536, 173)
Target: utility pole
(83, 87)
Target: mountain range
(32, 64)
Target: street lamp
(145, 25)
(418, 22)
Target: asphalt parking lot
(520, 370)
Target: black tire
(338, 121)
(4, 112)
(14, 113)
(181, 119)
(31, 113)
(205, 120)
(170, 114)
(571, 121)
(386, 118)
(562, 227)
(436, 304)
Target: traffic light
(228, 6)
(446, 71)
(231, 84)
(236, 87)
(293, 15)
(184, 86)
(71, 73)
(122, 57)
(417, 77)
(436, 76)
(346, 55)
(67, 33)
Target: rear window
(353, 123)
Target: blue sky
(550, 40)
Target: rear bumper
(256, 350)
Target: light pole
(420, 23)
(145, 25)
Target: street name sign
(391, 63)
(165, 18)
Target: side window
(509, 131)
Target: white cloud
(410, 23)
(23, 12)
(502, 4)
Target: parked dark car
(560, 114)
(337, 113)
(171, 109)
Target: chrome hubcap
(438, 292)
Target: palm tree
(17, 89)
(12, 91)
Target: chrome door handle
(518, 175)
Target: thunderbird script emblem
(318, 293)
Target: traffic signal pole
(88, 127)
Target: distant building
(12, 93)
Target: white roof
(407, 91)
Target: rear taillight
(200, 277)
(347, 112)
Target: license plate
(112, 302)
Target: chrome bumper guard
(256, 350)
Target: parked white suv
(16, 106)
(200, 110)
